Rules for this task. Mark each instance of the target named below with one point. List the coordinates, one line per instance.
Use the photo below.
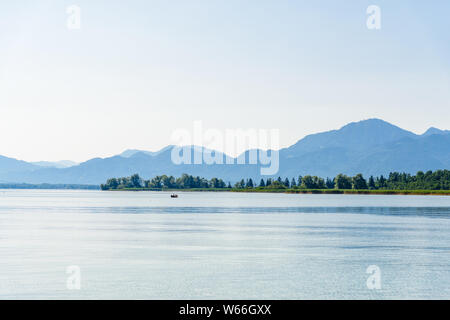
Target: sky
(136, 71)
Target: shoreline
(300, 191)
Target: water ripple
(441, 212)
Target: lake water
(145, 245)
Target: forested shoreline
(437, 180)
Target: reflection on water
(441, 212)
(222, 245)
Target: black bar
(222, 309)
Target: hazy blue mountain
(409, 155)
(97, 170)
(13, 165)
(55, 164)
(371, 147)
(130, 152)
(361, 135)
(433, 130)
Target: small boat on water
(173, 195)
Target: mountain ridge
(371, 147)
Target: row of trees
(163, 182)
(438, 180)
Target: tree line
(164, 182)
(437, 180)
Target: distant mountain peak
(433, 130)
(372, 123)
(55, 164)
(368, 121)
(364, 134)
(131, 152)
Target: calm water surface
(145, 245)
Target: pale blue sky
(137, 70)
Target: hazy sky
(138, 70)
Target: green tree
(342, 182)
(277, 185)
(371, 183)
(240, 184)
(262, 183)
(217, 183)
(293, 183)
(358, 182)
(112, 183)
(319, 182)
(136, 181)
(329, 183)
(308, 182)
(382, 183)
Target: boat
(173, 195)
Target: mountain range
(370, 147)
(55, 164)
